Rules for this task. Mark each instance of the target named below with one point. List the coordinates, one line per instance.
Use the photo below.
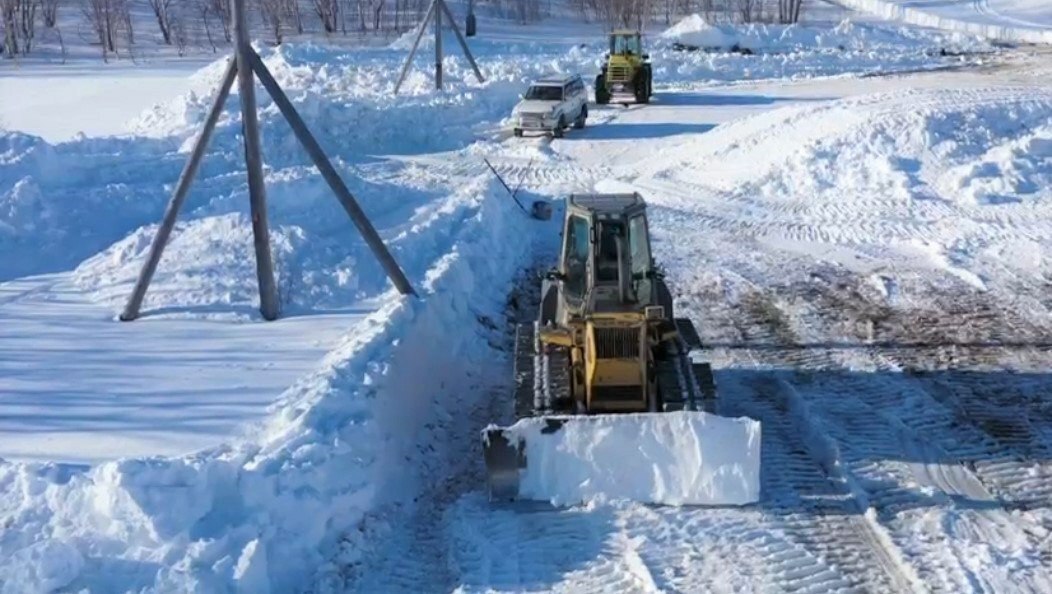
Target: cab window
(545, 93)
(639, 250)
(606, 268)
(576, 257)
(625, 44)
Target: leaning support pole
(394, 271)
(186, 178)
(416, 43)
(257, 193)
(460, 39)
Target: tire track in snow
(893, 456)
(804, 476)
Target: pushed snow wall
(675, 458)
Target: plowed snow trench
(854, 286)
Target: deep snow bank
(264, 515)
(679, 458)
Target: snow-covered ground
(39, 100)
(864, 253)
(1007, 20)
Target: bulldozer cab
(606, 263)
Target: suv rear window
(543, 93)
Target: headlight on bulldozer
(654, 312)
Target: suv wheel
(558, 131)
(581, 117)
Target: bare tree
(105, 18)
(162, 11)
(49, 12)
(789, 11)
(9, 20)
(27, 10)
(377, 12)
(221, 8)
(179, 34)
(328, 12)
(293, 14)
(273, 13)
(124, 12)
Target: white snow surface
(1028, 21)
(681, 458)
(362, 464)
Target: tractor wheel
(602, 95)
(640, 87)
(650, 81)
(581, 117)
(558, 131)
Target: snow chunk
(44, 566)
(679, 458)
(694, 30)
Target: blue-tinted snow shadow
(703, 99)
(523, 546)
(619, 131)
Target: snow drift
(954, 17)
(678, 458)
(853, 39)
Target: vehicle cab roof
(608, 204)
(555, 80)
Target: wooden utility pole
(242, 66)
(257, 191)
(435, 12)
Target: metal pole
(438, 45)
(416, 43)
(268, 292)
(463, 44)
(171, 212)
(394, 271)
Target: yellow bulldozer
(606, 367)
(626, 76)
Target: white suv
(550, 105)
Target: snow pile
(957, 181)
(694, 32)
(974, 18)
(680, 458)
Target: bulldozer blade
(504, 457)
(672, 458)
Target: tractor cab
(626, 43)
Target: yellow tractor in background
(627, 71)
